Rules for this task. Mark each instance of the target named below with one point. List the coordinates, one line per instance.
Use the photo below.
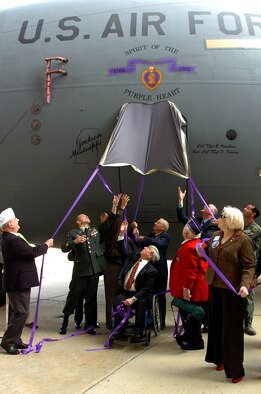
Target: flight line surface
(80, 364)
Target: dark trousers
(225, 331)
(139, 306)
(20, 304)
(2, 293)
(111, 289)
(90, 286)
(78, 313)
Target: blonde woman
(232, 252)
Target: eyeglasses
(223, 217)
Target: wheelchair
(151, 322)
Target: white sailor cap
(6, 215)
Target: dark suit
(114, 263)
(161, 241)
(208, 228)
(144, 284)
(2, 293)
(20, 275)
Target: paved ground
(77, 366)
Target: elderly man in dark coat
(20, 275)
(136, 281)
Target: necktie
(21, 236)
(130, 281)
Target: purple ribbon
(77, 199)
(216, 269)
(193, 187)
(137, 208)
(178, 328)
(192, 198)
(30, 347)
(139, 198)
(125, 312)
(126, 233)
(105, 184)
(39, 344)
(131, 66)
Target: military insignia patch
(151, 78)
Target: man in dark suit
(159, 238)
(111, 253)
(208, 228)
(136, 283)
(2, 293)
(20, 275)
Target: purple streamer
(137, 208)
(216, 269)
(30, 345)
(126, 233)
(125, 312)
(178, 328)
(201, 197)
(192, 198)
(139, 198)
(105, 184)
(77, 199)
(39, 344)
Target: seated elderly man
(136, 283)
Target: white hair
(234, 218)
(155, 253)
(165, 224)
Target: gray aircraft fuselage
(207, 60)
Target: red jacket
(188, 270)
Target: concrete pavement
(77, 366)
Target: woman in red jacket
(187, 282)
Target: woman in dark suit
(232, 252)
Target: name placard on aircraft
(233, 44)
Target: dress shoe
(220, 367)
(21, 345)
(137, 337)
(181, 339)
(250, 330)
(91, 330)
(77, 325)
(86, 325)
(63, 329)
(192, 346)
(10, 348)
(237, 380)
